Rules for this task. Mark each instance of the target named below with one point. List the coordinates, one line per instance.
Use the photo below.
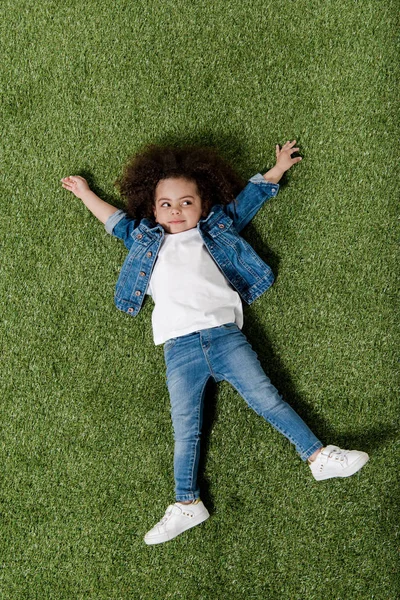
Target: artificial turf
(86, 441)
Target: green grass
(86, 441)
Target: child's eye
(165, 204)
(186, 202)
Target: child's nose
(175, 209)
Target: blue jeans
(222, 353)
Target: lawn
(86, 440)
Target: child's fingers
(289, 144)
(71, 178)
(69, 182)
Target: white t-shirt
(189, 290)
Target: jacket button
(149, 254)
(142, 273)
(130, 310)
(221, 226)
(137, 293)
(139, 236)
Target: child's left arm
(284, 161)
(261, 187)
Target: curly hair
(216, 181)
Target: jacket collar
(212, 217)
(151, 225)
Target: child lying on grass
(181, 227)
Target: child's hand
(76, 184)
(284, 158)
(284, 161)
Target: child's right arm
(80, 188)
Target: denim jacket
(240, 264)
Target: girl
(181, 227)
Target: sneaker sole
(356, 466)
(165, 537)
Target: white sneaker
(334, 462)
(177, 519)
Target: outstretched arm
(261, 187)
(284, 161)
(80, 188)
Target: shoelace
(165, 517)
(340, 455)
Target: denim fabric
(240, 264)
(222, 353)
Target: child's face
(177, 204)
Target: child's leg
(232, 359)
(187, 376)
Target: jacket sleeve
(121, 226)
(250, 200)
